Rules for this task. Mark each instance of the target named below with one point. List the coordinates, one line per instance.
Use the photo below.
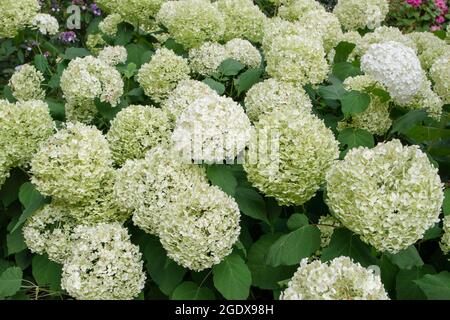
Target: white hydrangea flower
(427, 99)
(296, 10)
(109, 25)
(396, 67)
(162, 74)
(266, 96)
(16, 15)
(95, 42)
(137, 129)
(84, 112)
(113, 55)
(205, 59)
(212, 129)
(358, 14)
(445, 240)
(244, 52)
(46, 24)
(440, 74)
(389, 195)
(73, 164)
(200, 231)
(88, 78)
(339, 279)
(4, 170)
(25, 83)
(296, 171)
(103, 264)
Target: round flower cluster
(16, 15)
(162, 74)
(243, 19)
(339, 279)
(278, 28)
(297, 59)
(200, 231)
(244, 52)
(103, 265)
(109, 25)
(73, 164)
(375, 119)
(24, 126)
(186, 92)
(440, 74)
(48, 231)
(378, 194)
(429, 47)
(205, 59)
(113, 55)
(396, 67)
(445, 240)
(192, 22)
(427, 99)
(212, 129)
(359, 14)
(266, 96)
(95, 42)
(86, 79)
(296, 10)
(25, 83)
(295, 169)
(152, 185)
(84, 112)
(135, 130)
(46, 24)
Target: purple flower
(96, 10)
(68, 36)
(414, 3)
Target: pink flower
(440, 19)
(442, 6)
(415, 3)
(435, 28)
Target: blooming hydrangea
(16, 15)
(339, 279)
(25, 83)
(243, 19)
(200, 231)
(162, 74)
(423, 40)
(48, 231)
(205, 59)
(389, 195)
(152, 185)
(192, 22)
(84, 112)
(445, 240)
(103, 265)
(440, 74)
(46, 24)
(375, 119)
(23, 127)
(86, 79)
(396, 67)
(212, 129)
(109, 25)
(306, 150)
(186, 92)
(4, 170)
(73, 164)
(358, 14)
(95, 42)
(137, 129)
(296, 10)
(244, 52)
(278, 28)
(297, 59)
(264, 97)
(427, 99)
(113, 55)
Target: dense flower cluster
(339, 279)
(378, 194)
(429, 47)
(46, 24)
(113, 55)
(244, 52)
(307, 149)
(359, 14)
(445, 240)
(297, 9)
(440, 74)
(84, 112)
(25, 83)
(162, 74)
(103, 265)
(109, 25)
(205, 59)
(427, 99)
(16, 15)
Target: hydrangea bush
(230, 149)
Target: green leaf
(215, 85)
(124, 35)
(31, 199)
(264, 276)
(232, 278)
(354, 102)
(343, 70)
(189, 290)
(297, 220)
(138, 54)
(230, 67)
(293, 247)
(406, 288)
(380, 93)
(223, 178)
(10, 281)
(433, 233)
(333, 92)
(107, 111)
(175, 47)
(409, 120)
(446, 205)
(247, 79)
(57, 108)
(15, 241)
(251, 203)
(345, 243)
(406, 259)
(41, 63)
(422, 134)
(435, 287)
(354, 138)
(72, 53)
(343, 51)
(46, 273)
